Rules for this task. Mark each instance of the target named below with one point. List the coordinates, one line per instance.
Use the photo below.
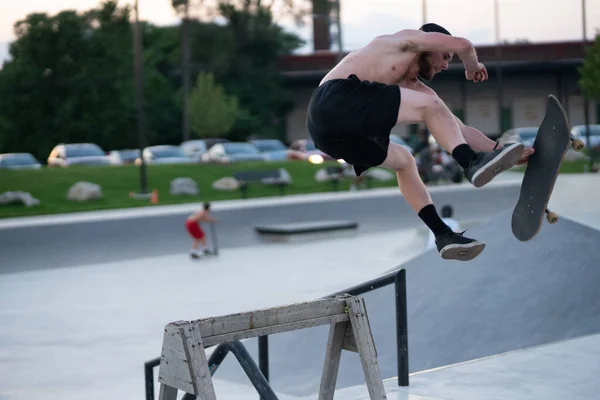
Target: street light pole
(499, 88)
(586, 105)
(137, 54)
(186, 70)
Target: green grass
(50, 186)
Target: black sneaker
(455, 246)
(487, 165)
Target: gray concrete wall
(97, 241)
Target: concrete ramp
(515, 295)
(556, 371)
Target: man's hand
(478, 74)
(525, 156)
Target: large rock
(84, 191)
(23, 198)
(226, 183)
(380, 174)
(183, 186)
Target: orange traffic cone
(154, 197)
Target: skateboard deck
(551, 144)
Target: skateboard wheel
(552, 217)
(578, 144)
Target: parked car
(164, 154)
(398, 140)
(308, 149)
(233, 152)
(525, 135)
(19, 161)
(194, 148)
(276, 150)
(64, 155)
(121, 157)
(579, 131)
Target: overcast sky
(535, 20)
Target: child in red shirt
(192, 224)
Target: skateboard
(551, 144)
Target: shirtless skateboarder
(373, 89)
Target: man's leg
(451, 245)
(479, 168)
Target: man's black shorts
(351, 119)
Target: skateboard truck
(577, 144)
(552, 217)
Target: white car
(121, 157)
(525, 135)
(164, 154)
(579, 131)
(233, 152)
(19, 161)
(398, 140)
(64, 155)
(194, 148)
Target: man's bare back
(379, 61)
(391, 59)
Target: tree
(71, 79)
(590, 71)
(213, 112)
(242, 52)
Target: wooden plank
(173, 370)
(350, 341)
(268, 317)
(366, 347)
(331, 365)
(198, 363)
(269, 330)
(167, 392)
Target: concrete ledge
(307, 230)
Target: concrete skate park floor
(89, 328)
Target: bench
(335, 173)
(267, 177)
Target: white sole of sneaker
(462, 252)
(507, 158)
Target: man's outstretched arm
(413, 40)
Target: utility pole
(586, 105)
(338, 21)
(499, 88)
(424, 11)
(137, 55)
(186, 71)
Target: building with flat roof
(521, 76)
